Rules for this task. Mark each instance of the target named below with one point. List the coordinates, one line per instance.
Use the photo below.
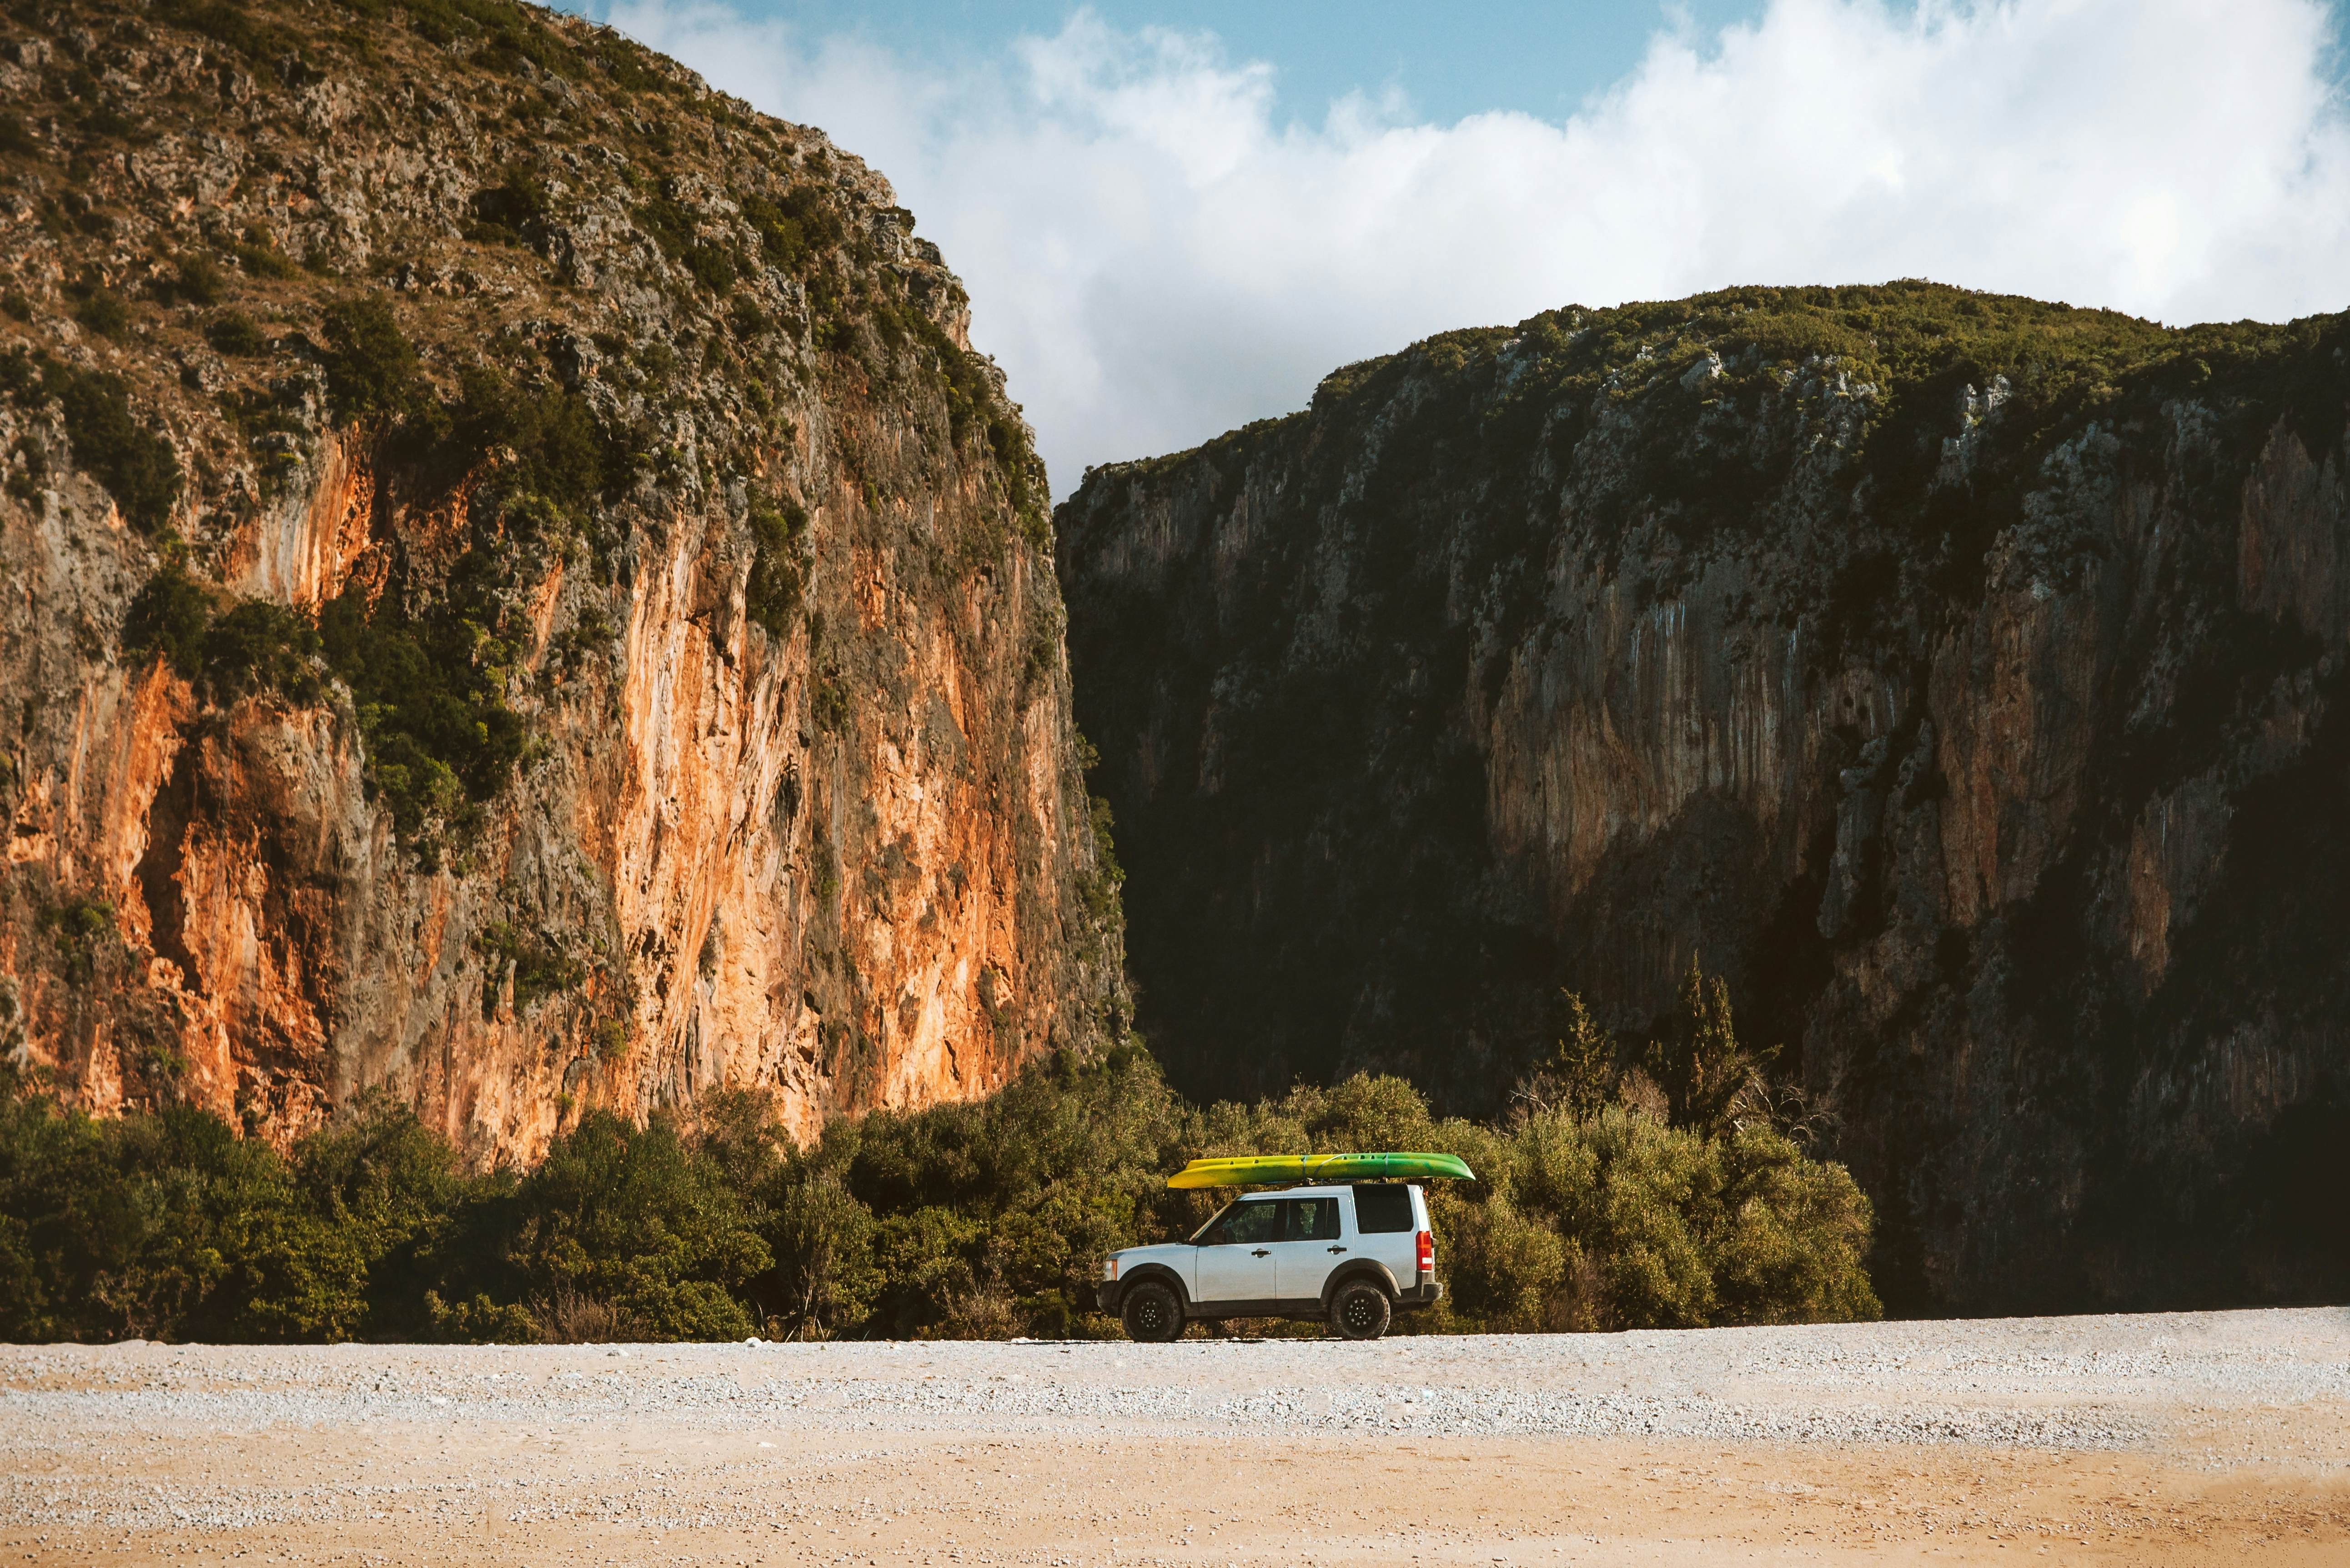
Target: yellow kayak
(1280, 1169)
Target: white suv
(1348, 1255)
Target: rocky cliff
(1962, 675)
(514, 589)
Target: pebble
(2062, 1385)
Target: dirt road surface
(2199, 1438)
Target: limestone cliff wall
(1963, 677)
(792, 800)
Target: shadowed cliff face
(1963, 677)
(674, 693)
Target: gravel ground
(2157, 1437)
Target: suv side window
(1248, 1223)
(1311, 1220)
(1382, 1208)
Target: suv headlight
(1109, 1267)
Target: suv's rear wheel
(1360, 1310)
(1151, 1314)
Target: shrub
(630, 65)
(803, 221)
(778, 567)
(250, 646)
(168, 1226)
(372, 367)
(1795, 1236)
(557, 449)
(749, 322)
(505, 212)
(233, 332)
(170, 615)
(432, 704)
(164, 1226)
(103, 312)
(101, 117)
(79, 928)
(1639, 1197)
(539, 971)
(236, 26)
(823, 1238)
(137, 466)
(829, 703)
(630, 1219)
(1507, 1272)
(1098, 885)
(520, 37)
(394, 1186)
(781, 239)
(93, 1250)
(711, 264)
(259, 254)
(257, 646)
(199, 281)
(991, 1216)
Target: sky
(1173, 220)
(1445, 62)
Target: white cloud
(1155, 258)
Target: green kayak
(1280, 1169)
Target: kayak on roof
(1279, 1170)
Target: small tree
(1707, 1074)
(823, 1251)
(1580, 1073)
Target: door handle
(1261, 1252)
(1338, 1249)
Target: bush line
(961, 1220)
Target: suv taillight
(1426, 1242)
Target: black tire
(1151, 1314)
(1360, 1310)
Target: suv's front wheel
(1151, 1314)
(1360, 1310)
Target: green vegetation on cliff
(503, 381)
(137, 466)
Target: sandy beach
(2196, 1438)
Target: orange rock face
(838, 917)
(830, 841)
